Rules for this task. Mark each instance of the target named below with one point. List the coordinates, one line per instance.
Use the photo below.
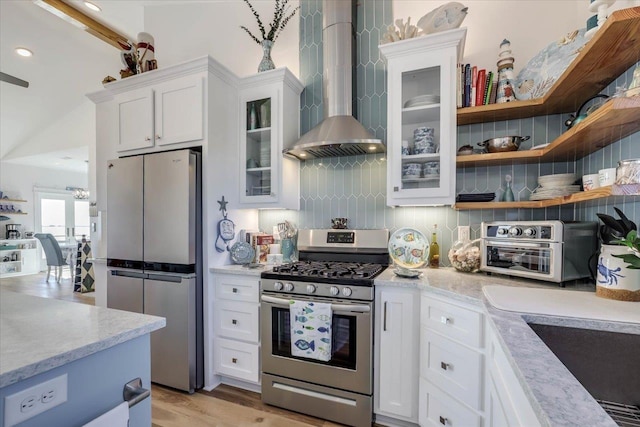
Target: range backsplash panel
(355, 187)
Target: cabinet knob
(235, 322)
(443, 420)
(157, 136)
(234, 290)
(396, 189)
(444, 365)
(234, 360)
(445, 320)
(146, 138)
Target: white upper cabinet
(167, 113)
(421, 118)
(269, 122)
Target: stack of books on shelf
(475, 87)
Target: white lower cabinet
(440, 409)
(451, 363)
(506, 403)
(236, 329)
(18, 257)
(396, 351)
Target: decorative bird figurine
(446, 17)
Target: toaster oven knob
(334, 290)
(288, 287)
(502, 231)
(277, 286)
(347, 292)
(529, 232)
(311, 289)
(515, 231)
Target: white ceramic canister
(614, 279)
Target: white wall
(17, 181)
(186, 31)
(529, 25)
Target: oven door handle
(518, 244)
(354, 308)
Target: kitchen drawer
(237, 320)
(453, 321)
(237, 288)
(437, 409)
(237, 359)
(454, 368)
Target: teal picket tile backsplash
(355, 187)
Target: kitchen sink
(607, 364)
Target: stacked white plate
(422, 100)
(552, 186)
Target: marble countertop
(240, 270)
(554, 393)
(39, 334)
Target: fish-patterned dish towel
(310, 329)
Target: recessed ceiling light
(22, 51)
(92, 6)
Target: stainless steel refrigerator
(154, 256)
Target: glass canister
(628, 172)
(465, 256)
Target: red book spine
(480, 86)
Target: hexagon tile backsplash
(355, 187)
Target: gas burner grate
(623, 415)
(348, 270)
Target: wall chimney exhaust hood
(339, 134)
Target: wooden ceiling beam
(92, 26)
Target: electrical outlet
(464, 232)
(30, 402)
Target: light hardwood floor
(223, 407)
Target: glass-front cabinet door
(421, 133)
(269, 122)
(258, 149)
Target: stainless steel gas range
(336, 267)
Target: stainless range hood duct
(339, 134)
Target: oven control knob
(311, 289)
(288, 287)
(334, 290)
(502, 231)
(347, 292)
(515, 231)
(529, 232)
(277, 286)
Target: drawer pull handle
(443, 421)
(234, 360)
(445, 320)
(234, 321)
(444, 365)
(234, 290)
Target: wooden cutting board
(561, 302)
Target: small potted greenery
(281, 16)
(632, 240)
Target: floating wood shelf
(12, 200)
(582, 196)
(611, 51)
(12, 213)
(616, 119)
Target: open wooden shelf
(611, 51)
(12, 200)
(616, 119)
(582, 196)
(12, 213)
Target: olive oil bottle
(434, 249)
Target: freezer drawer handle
(134, 393)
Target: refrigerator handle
(125, 273)
(169, 278)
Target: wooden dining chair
(54, 255)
